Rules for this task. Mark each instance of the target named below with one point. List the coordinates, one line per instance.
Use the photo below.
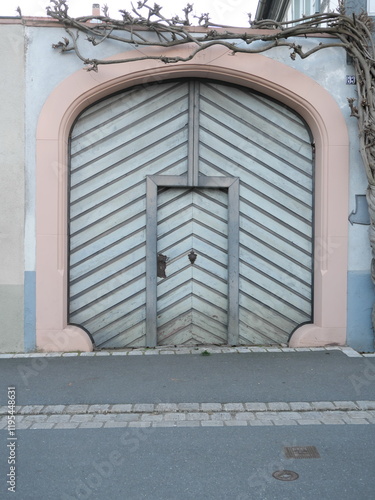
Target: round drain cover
(285, 475)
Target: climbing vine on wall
(145, 25)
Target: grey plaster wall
(328, 67)
(26, 56)
(12, 187)
(11, 314)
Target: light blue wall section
(29, 311)
(361, 297)
(356, 6)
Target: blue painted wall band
(361, 297)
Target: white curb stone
(43, 425)
(67, 425)
(58, 419)
(121, 408)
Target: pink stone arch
(261, 73)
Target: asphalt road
(191, 464)
(183, 463)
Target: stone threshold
(202, 350)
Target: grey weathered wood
(193, 169)
(230, 174)
(268, 148)
(233, 262)
(151, 262)
(113, 150)
(179, 297)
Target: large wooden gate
(190, 217)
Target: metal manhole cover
(301, 452)
(285, 475)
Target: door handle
(192, 256)
(162, 264)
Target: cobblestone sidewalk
(191, 415)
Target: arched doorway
(190, 168)
(279, 81)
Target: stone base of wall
(11, 314)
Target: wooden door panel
(228, 133)
(187, 297)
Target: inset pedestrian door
(190, 218)
(195, 232)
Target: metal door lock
(162, 264)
